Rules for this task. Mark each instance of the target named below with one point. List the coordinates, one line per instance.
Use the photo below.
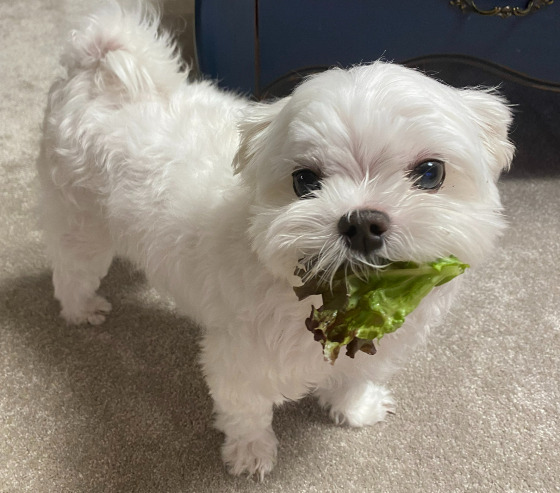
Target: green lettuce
(357, 311)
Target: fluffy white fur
(194, 185)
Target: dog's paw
(254, 457)
(93, 312)
(360, 405)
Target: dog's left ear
(494, 116)
(253, 128)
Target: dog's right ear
(253, 128)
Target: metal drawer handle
(503, 12)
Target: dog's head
(373, 164)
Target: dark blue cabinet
(250, 44)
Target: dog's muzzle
(363, 230)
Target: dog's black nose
(363, 229)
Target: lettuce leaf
(357, 311)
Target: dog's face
(379, 163)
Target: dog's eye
(305, 183)
(428, 175)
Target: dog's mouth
(316, 269)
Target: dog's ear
(494, 116)
(253, 127)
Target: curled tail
(126, 52)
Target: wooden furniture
(263, 46)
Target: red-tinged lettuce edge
(355, 312)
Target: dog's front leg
(243, 409)
(250, 444)
(351, 393)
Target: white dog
(219, 199)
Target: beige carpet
(123, 407)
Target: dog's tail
(125, 52)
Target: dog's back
(125, 135)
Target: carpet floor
(123, 407)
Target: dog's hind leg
(81, 252)
(79, 263)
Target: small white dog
(219, 199)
